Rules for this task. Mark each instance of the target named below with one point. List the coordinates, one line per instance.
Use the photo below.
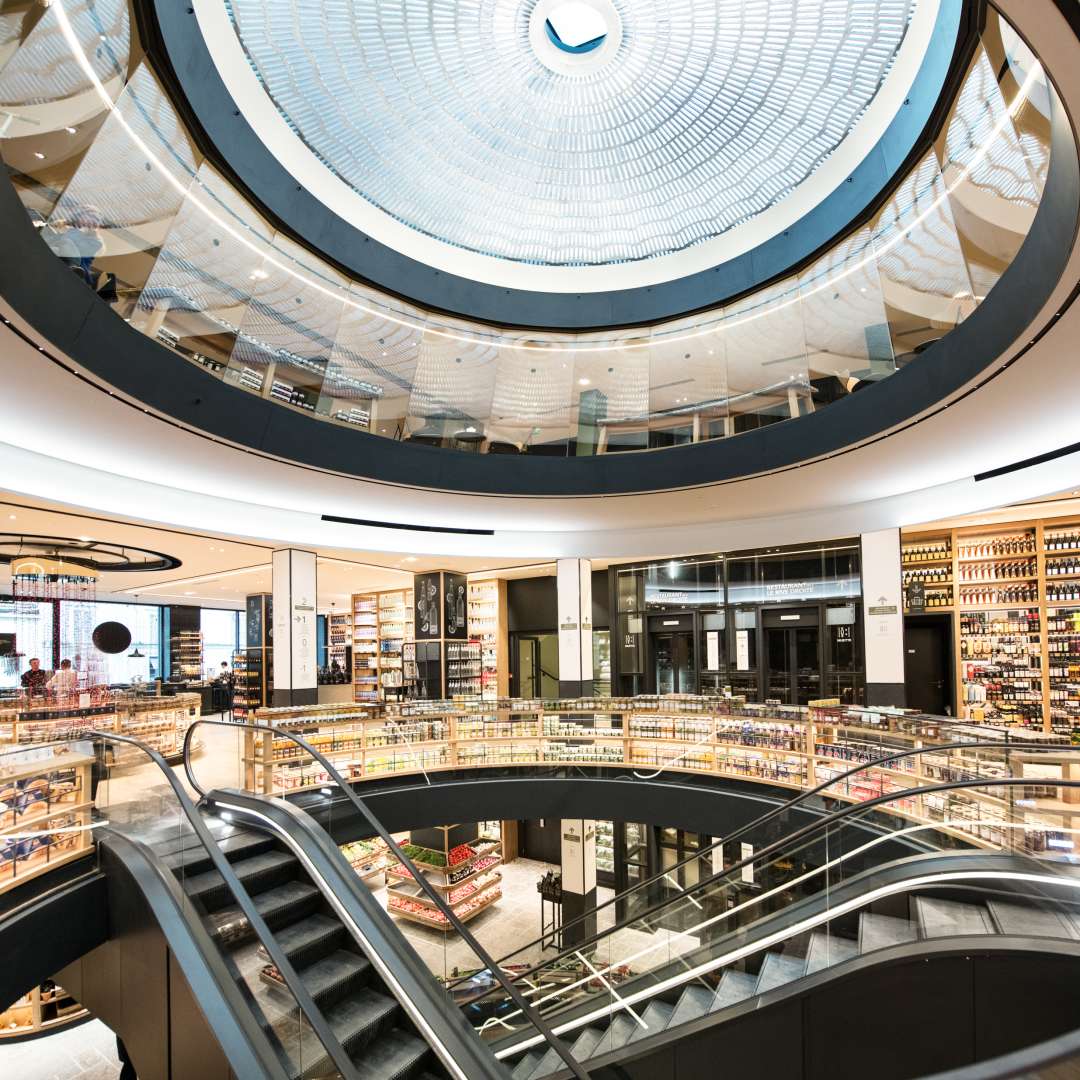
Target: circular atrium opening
(574, 37)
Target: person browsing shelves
(65, 681)
(34, 680)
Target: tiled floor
(87, 1052)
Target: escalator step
(267, 867)
(881, 931)
(949, 918)
(777, 969)
(735, 986)
(190, 856)
(333, 976)
(395, 1055)
(527, 1065)
(617, 1034)
(1031, 920)
(548, 1064)
(310, 939)
(656, 1018)
(359, 1018)
(694, 1002)
(283, 903)
(827, 949)
(586, 1043)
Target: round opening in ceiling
(574, 37)
(576, 27)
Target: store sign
(844, 633)
(712, 650)
(742, 650)
(915, 596)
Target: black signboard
(915, 596)
(427, 598)
(455, 606)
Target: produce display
(460, 853)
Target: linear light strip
(1006, 118)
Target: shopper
(64, 682)
(34, 680)
(127, 1070)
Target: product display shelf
(186, 654)
(1001, 666)
(45, 809)
(605, 847)
(395, 628)
(339, 637)
(464, 668)
(456, 862)
(369, 858)
(1063, 667)
(365, 637)
(253, 681)
(45, 1008)
(487, 619)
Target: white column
(578, 878)
(574, 603)
(295, 660)
(883, 617)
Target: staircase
(352, 998)
(929, 917)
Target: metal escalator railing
(646, 894)
(421, 881)
(822, 873)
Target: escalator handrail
(420, 879)
(222, 865)
(757, 823)
(799, 835)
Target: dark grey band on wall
(887, 695)
(178, 51)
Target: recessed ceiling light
(70, 130)
(583, 382)
(410, 558)
(39, 155)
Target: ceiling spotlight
(583, 382)
(39, 155)
(70, 130)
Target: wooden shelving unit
(44, 812)
(1005, 585)
(487, 620)
(458, 864)
(365, 643)
(339, 639)
(395, 610)
(43, 1009)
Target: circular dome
(511, 128)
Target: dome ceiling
(577, 133)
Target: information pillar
(578, 880)
(574, 587)
(883, 617)
(295, 654)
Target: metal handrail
(515, 995)
(753, 825)
(224, 868)
(799, 835)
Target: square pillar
(883, 617)
(578, 879)
(295, 645)
(574, 604)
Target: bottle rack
(339, 627)
(458, 863)
(395, 628)
(365, 642)
(1001, 666)
(464, 668)
(252, 682)
(186, 654)
(1063, 667)
(487, 626)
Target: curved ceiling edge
(181, 58)
(58, 306)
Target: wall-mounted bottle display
(929, 550)
(339, 639)
(1063, 656)
(186, 655)
(464, 668)
(487, 626)
(365, 642)
(1001, 666)
(395, 610)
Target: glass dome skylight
(572, 132)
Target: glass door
(793, 664)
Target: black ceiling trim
(175, 46)
(1027, 463)
(408, 528)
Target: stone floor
(87, 1052)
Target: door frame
(787, 609)
(652, 631)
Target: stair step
(330, 978)
(253, 870)
(827, 949)
(287, 903)
(735, 986)
(950, 918)
(617, 1034)
(656, 1017)
(394, 1055)
(695, 1001)
(548, 1064)
(310, 939)
(1031, 920)
(358, 1019)
(583, 1046)
(189, 855)
(777, 969)
(881, 931)
(527, 1065)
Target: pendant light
(135, 654)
